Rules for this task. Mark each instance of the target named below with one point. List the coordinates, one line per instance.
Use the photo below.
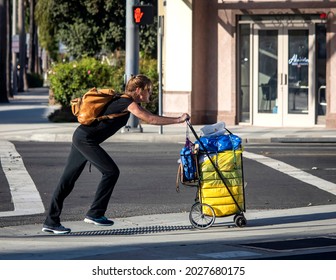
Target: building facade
(259, 62)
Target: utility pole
(132, 58)
(160, 43)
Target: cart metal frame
(197, 217)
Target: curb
(303, 140)
(168, 138)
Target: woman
(86, 147)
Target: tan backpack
(88, 108)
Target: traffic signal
(143, 14)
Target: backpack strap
(112, 116)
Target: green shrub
(34, 80)
(73, 79)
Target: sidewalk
(25, 119)
(168, 236)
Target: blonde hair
(138, 81)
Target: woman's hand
(184, 118)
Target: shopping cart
(219, 180)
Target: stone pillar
(213, 64)
(331, 72)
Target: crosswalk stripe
(293, 172)
(25, 196)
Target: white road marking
(25, 196)
(230, 254)
(27, 200)
(293, 172)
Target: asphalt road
(148, 176)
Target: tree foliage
(47, 31)
(89, 27)
(72, 79)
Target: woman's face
(144, 94)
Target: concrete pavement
(168, 236)
(25, 118)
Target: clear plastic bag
(213, 129)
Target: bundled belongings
(222, 196)
(188, 162)
(220, 179)
(188, 170)
(213, 129)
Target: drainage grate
(132, 231)
(294, 244)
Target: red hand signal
(138, 15)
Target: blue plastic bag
(188, 162)
(220, 143)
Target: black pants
(84, 149)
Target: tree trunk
(9, 50)
(22, 46)
(32, 35)
(3, 51)
(38, 66)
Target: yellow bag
(214, 192)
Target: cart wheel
(201, 216)
(240, 220)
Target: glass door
(282, 76)
(267, 68)
(299, 87)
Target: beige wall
(200, 75)
(213, 87)
(177, 57)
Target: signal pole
(160, 40)
(132, 58)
